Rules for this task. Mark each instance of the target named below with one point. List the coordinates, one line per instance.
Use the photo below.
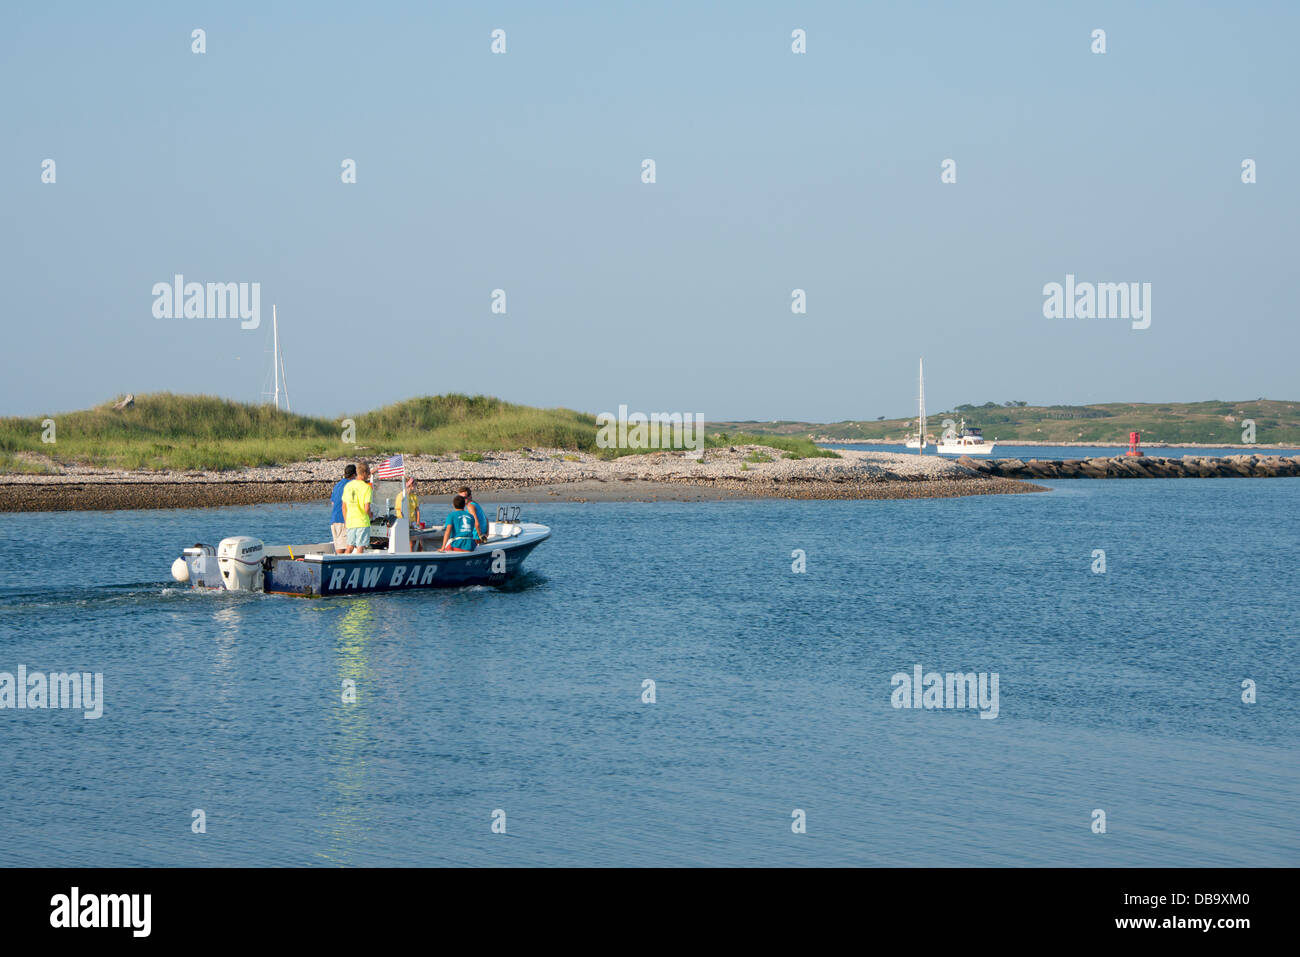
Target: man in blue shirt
(477, 509)
(338, 530)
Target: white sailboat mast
(275, 355)
(284, 380)
(277, 363)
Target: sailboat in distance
(281, 382)
(918, 441)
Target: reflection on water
(228, 618)
(345, 820)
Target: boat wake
(25, 600)
(526, 581)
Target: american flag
(392, 469)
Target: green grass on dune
(166, 431)
(437, 425)
(11, 464)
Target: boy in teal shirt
(477, 509)
(462, 531)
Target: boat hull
(985, 449)
(324, 576)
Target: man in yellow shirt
(356, 510)
(408, 503)
(408, 507)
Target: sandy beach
(531, 475)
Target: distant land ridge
(1214, 422)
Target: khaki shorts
(340, 533)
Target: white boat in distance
(918, 441)
(964, 442)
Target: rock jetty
(1140, 466)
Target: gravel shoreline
(531, 475)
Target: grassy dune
(166, 431)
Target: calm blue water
(1118, 691)
(1060, 453)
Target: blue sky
(775, 172)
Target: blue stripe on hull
(392, 573)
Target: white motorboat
(964, 441)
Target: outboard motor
(240, 560)
(198, 566)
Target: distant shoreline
(1033, 443)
